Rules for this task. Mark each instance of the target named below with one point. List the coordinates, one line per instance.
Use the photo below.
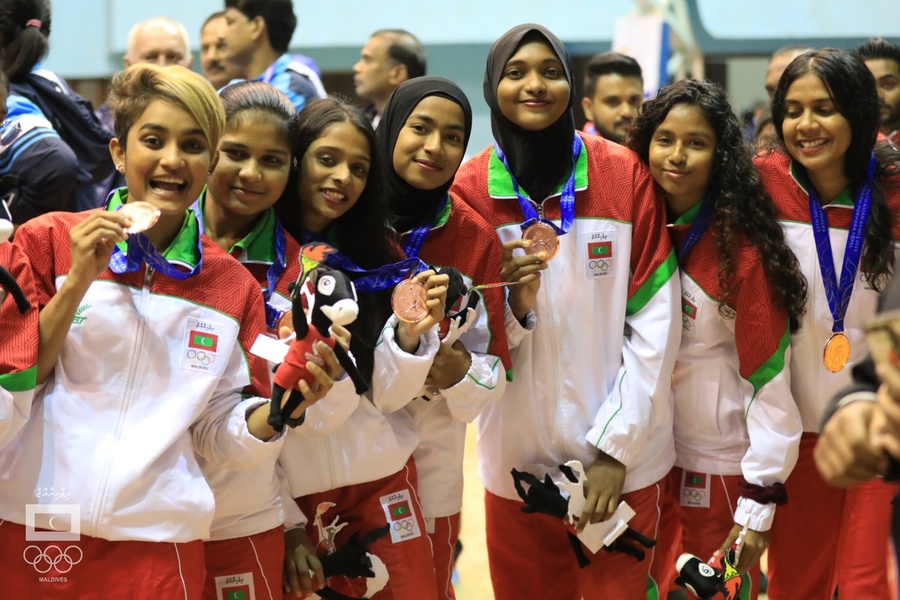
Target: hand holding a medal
(94, 238)
(92, 242)
(419, 303)
(525, 270)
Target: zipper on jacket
(330, 455)
(126, 398)
(560, 435)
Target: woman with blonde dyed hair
(141, 357)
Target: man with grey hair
(159, 41)
(390, 57)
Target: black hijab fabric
(410, 206)
(538, 159)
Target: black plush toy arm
(12, 286)
(356, 377)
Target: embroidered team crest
(690, 308)
(401, 516)
(599, 255)
(235, 587)
(200, 351)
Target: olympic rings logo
(694, 495)
(52, 558)
(201, 357)
(404, 525)
(602, 264)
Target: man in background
(779, 61)
(613, 92)
(257, 36)
(212, 51)
(390, 57)
(883, 60)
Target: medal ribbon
(566, 201)
(417, 236)
(839, 296)
(698, 228)
(272, 273)
(141, 250)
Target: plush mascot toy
(334, 302)
(565, 500)
(716, 580)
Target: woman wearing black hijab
(595, 330)
(422, 137)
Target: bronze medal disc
(837, 352)
(285, 320)
(143, 216)
(408, 301)
(543, 239)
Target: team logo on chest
(599, 256)
(201, 346)
(689, 309)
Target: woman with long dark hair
(836, 196)
(349, 460)
(737, 429)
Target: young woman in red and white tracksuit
(350, 462)
(737, 428)
(422, 134)
(141, 356)
(592, 361)
(256, 154)
(837, 203)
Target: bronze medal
(837, 352)
(285, 320)
(408, 301)
(143, 216)
(543, 239)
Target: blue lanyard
(374, 280)
(272, 273)
(839, 296)
(566, 201)
(379, 279)
(698, 228)
(140, 250)
(417, 236)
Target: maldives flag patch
(600, 249)
(400, 510)
(203, 341)
(235, 587)
(694, 480)
(237, 593)
(690, 310)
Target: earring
(120, 168)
